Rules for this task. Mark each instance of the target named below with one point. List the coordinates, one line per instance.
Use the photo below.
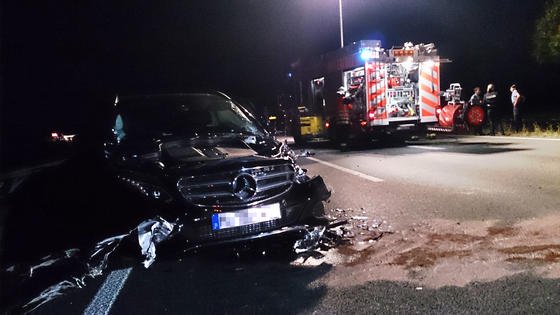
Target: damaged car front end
(203, 161)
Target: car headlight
(148, 190)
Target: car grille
(222, 189)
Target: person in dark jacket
(342, 119)
(491, 102)
(475, 100)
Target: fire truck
(368, 90)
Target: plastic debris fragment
(150, 233)
(359, 218)
(74, 268)
(310, 240)
(99, 258)
(94, 266)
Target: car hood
(222, 165)
(198, 155)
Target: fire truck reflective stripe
(429, 78)
(380, 102)
(377, 88)
(430, 104)
(429, 100)
(429, 90)
(429, 96)
(427, 113)
(430, 73)
(435, 70)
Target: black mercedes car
(203, 160)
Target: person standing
(475, 100)
(492, 103)
(516, 100)
(342, 121)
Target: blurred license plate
(246, 216)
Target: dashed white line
(347, 170)
(107, 293)
(426, 147)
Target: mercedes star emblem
(244, 186)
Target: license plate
(245, 217)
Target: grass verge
(538, 129)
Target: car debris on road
(152, 232)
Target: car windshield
(184, 115)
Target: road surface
(468, 225)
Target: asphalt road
(467, 179)
(456, 178)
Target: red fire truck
(363, 90)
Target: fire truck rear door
(429, 91)
(376, 84)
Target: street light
(341, 23)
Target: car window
(187, 115)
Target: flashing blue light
(367, 53)
(290, 74)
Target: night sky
(64, 61)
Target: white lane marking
(426, 147)
(107, 294)
(347, 170)
(29, 170)
(521, 138)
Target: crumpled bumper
(301, 208)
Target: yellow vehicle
(311, 127)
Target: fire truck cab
(383, 91)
